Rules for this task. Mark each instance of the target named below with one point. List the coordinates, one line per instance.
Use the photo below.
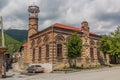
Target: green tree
(116, 33)
(11, 44)
(104, 44)
(74, 46)
(111, 44)
(115, 47)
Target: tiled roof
(67, 27)
(72, 28)
(24, 45)
(2, 49)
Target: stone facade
(49, 45)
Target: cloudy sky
(103, 15)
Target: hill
(19, 35)
(11, 44)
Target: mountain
(11, 44)
(20, 35)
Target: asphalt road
(100, 74)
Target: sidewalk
(13, 75)
(89, 70)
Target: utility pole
(3, 39)
(3, 45)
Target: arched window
(33, 56)
(59, 37)
(39, 41)
(46, 38)
(59, 50)
(40, 51)
(47, 51)
(92, 54)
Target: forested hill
(11, 44)
(20, 35)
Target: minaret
(33, 29)
(33, 20)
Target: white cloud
(103, 15)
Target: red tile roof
(2, 50)
(24, 45)
(67, 27)
(71, 28)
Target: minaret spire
(33, 19)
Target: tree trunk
(73, 63)
(70, 62)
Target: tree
(115, 46)
(111, 44)
(74, 46)
(11, 44)
(104, 44)
(116, 33)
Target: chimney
(85, 26)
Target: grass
(83, 68)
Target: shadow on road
(29, 74)
(8, 76)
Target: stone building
(48, 47)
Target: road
(100, 74)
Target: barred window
(40, 51)
(47, 51)
(33, 56)
(92, 54)
(59, 50)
